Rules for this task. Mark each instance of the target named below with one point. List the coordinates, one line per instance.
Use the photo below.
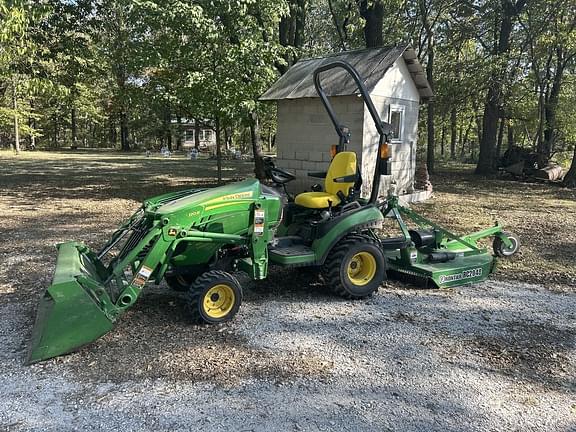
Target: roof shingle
(371, 65)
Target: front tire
(214, 297)
(355, 268)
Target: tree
(570, 177)
(116, 26)
(291, 33)
(428, 25)
(550, 32)
(504, 14)
(373, 14)
(17, 66)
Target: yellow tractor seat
(342, 169)
(316, 200)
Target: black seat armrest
(318, 174)
(346, 179)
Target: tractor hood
(244, 190)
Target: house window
(396, 119)
(188, 135)
(206, 135)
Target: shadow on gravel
(540, 353)
(156, 340)
(109, 177)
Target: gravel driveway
(496, 356)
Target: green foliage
(85, 65)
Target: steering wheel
(280, 176)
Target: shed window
(397, 122)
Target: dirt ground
(497, 356)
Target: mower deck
(462, 270)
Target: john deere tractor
(196, 239)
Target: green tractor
(196, 239)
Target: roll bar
(383, 128)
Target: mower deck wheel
(355, 267)
(501, 250)
(214, 297)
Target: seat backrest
(343, 164)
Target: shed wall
(403, 154)
(305, 134)
(397, 83)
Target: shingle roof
(371, 64)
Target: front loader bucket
(69, 313)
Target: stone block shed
(397, 84)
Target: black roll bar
(383, 128)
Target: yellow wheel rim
(362, 268)
(219, 301)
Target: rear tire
(214, 297)
(355, 267)
(501, 250)
(180, 283)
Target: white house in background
(397, 85)
(207, 135)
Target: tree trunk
(465, 138)
(430, 148)
(489, 126)
(55, 134)
(453, 132)
(226, 139)
(538, 141)
(510, 138)
(339, 31)
(74, 127)
(499, 140)
(443, 137)
(460, 137)
(124, 141)
(218, 149)
(112, 134)
(431, 145)
(270, 135)
(179, 133)
(479, 133)
(32, 125)
(570, 177)
(196, 134)
(291, 33)
(373, 14)
(256, 147)
(167, 130)
(486, 162)
(16, 124)
(550, 108)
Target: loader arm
(87, 295)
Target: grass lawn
(52, 197)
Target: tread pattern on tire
(193, 294)
(331, 268)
